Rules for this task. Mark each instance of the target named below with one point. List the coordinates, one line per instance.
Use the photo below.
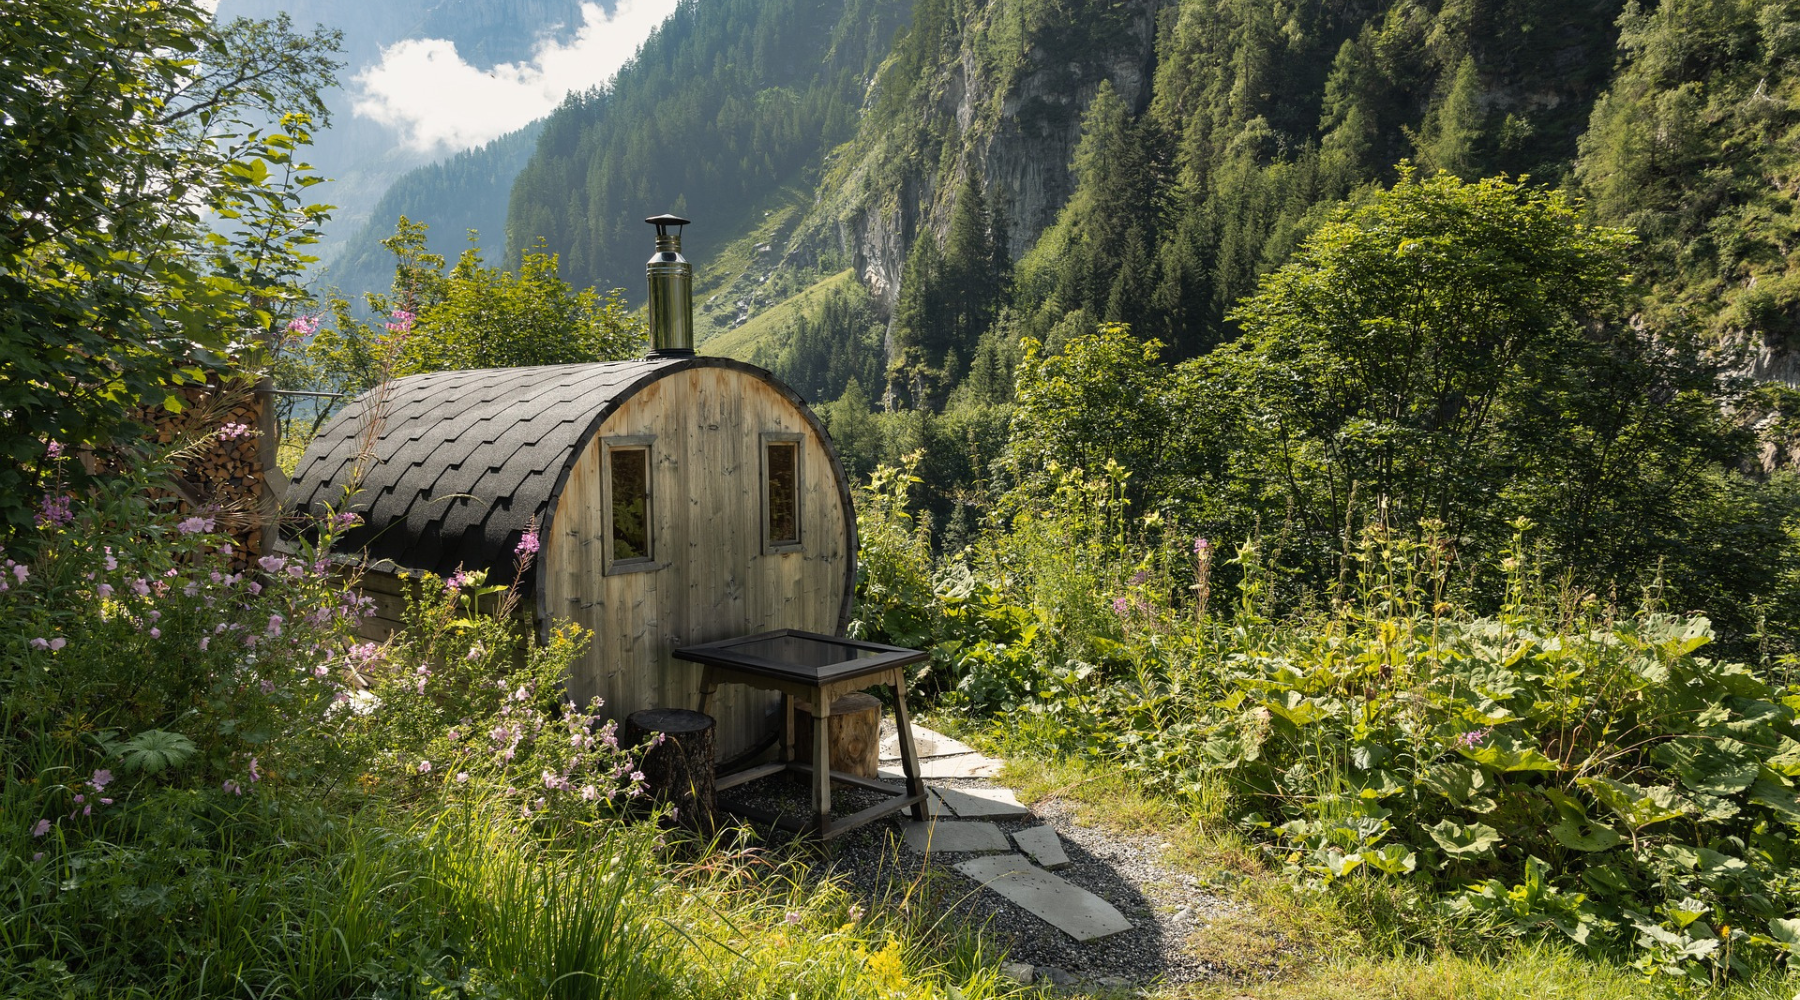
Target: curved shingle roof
(464, 460)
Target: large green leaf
(1475, 840)
(1503, 752)
(1638, 805)
(154, 750)
(1778, 797)
(1596, 837)
(1468, 787)
(1716, 767)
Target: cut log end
(678, 769)
(855, 733)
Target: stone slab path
(1043, 845)
(1072, 910)
(954, 837)
(975, 803)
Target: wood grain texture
(713, 580)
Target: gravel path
(1163, 904)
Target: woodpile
(225, 443)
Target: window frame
(611, 566)
(771, 546)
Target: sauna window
(781, 492)
(628, 499)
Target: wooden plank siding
(712, 580)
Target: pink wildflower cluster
(195, 525)
(54, 449)
(55, 511)
(1473, 738)
(402, 322)
(231, 432)
(528, 545)
(303, 326)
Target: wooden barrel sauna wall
(678, 500)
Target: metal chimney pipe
(671, 291)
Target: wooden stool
(679, 770)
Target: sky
(441, 104)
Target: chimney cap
(665, 220)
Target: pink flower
(637, 776)
(20, 572)
(1202, 546)
(205, 641)
(589, 793)
(112, 562)
(1473, 737)
(793, 917)
(424, 767)
(231, 432)
(462, 776)
(42, 827)
(140, 587)
(155, 633)
(1121, 606)
(255, 775)
(54, 449)
(54, 511)
(528, 543)
(40, 644)
(58, 643)
(106, 591)
(101, 779)
(232, 787)
(195, 525)
(39, 856)
(321, 671)
(271, 564)
(303, 326)
(275, 622)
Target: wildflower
(40, 644)
(793, 916)
(856, 912)
(271, 564)
(637, 776)
(231, 432)
(275, 622)
(476, 652)
(195, 525)
(255, 775)
(59, 642)
(347, 520)
(54, 511)
(232, 787)
(155, 633)
(205, 641)
(528, 544)
(39, 856)
(321, 671)
(1121, 606)
(21, 573)
(303, 326)
(461, 777)
(140, 587)
(42, 827)
(542, 803)
(100, 780)
(112, 562)
(589, 793)
(1202, 547)
(455, 734)
(1473, 737)
(424, 767)
(54, 449)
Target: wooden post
(855, 733)
(679, 769)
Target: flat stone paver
(966, 765)
(1044, 846)
(1069, 908)
(980, 803)
(952, 837)
(928, 743)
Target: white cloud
(441, 103)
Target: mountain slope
(725, 104)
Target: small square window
(629, 512)
(781, 492)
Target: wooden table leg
(787, 727)
(709, 683)
(821, 761)
(909, 757)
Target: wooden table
(818, 669)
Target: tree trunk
(679, 769)
(855, 733)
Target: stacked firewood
(224, 450)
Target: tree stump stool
(854, 732)
(678, 770)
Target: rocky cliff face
(1012, 120)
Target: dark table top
(802, 657)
